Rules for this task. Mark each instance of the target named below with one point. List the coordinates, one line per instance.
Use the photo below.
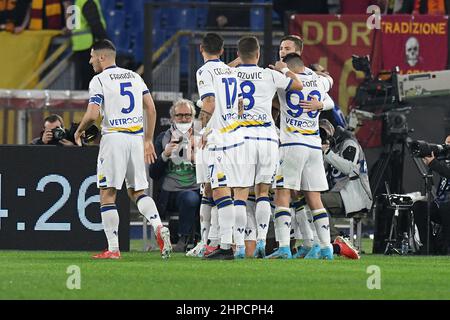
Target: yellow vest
(82, 38)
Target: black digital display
(49, 200)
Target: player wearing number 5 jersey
(301, 162)
(121, 96)
(258, 86)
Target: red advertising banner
(331, 40)
(415, 44)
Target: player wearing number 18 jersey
(120, 96)
(258, 87)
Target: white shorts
(228, 165)
(121, 157)
(263, 154)
(201, 165)
(301, 168)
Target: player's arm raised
(91, 115)
(282, 67)
(314, 104)
(236, 62)
(150, 117)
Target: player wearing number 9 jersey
(121, 96)
(258, 86)
(301, 161)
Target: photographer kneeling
(346, 169)
(54, 133)
(440, 207)
(175, 166)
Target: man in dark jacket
(53, 124)
(175, 167)
(440, 207)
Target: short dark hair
(293, 59)
(104, 44)
(53, 118)
(248, 47)
(212, 43)
(298, 42)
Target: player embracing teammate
(242, 149)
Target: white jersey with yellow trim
(217, 79)
(296, 126)
(258, 86)
(119, 93)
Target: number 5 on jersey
(125, 92)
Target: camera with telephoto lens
(59, 134)
(90, 134)
(421, 149)
(324, 136)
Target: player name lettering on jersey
(250, 76)
(311, 83)
(122, 76)
(223, 71)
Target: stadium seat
(257, 19)
(137, 47)
(257, 16)
(107, 6)
(115, 21)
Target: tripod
(392, 158)
(400, 203)
(390, 164)
(393, 236)
(427, 175)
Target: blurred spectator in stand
(14, 15)
(437, 7)
(283, 7)
(360, 6)
(92, 28)
(392, 6)
(225, 17)
(175, 166)
(48, 14)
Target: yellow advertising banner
(21, 55)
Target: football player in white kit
(310, 249)
(121, 96)
(258, 86)
(219, 92)
(301, 161)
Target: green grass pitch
(143, 275)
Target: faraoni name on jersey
(121, 76)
